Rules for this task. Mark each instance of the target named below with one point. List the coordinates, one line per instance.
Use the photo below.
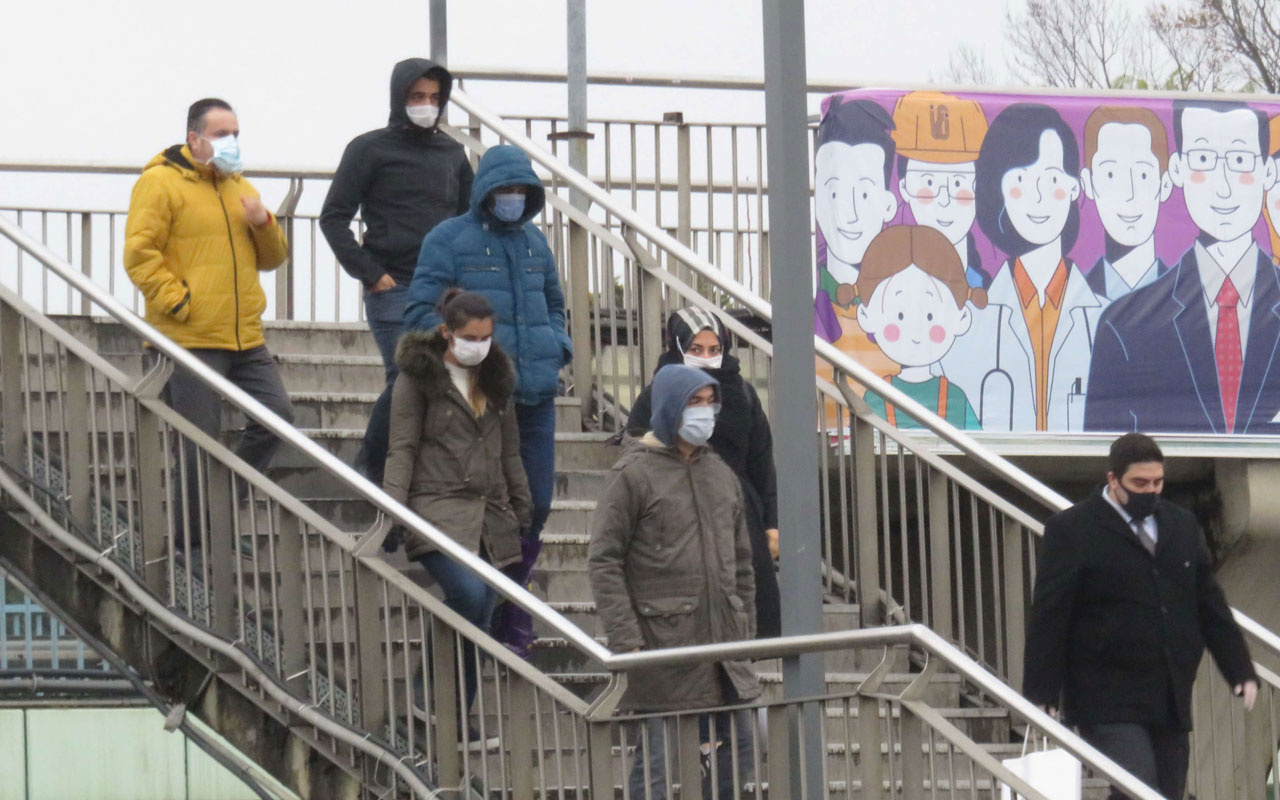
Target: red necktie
(1227, 351)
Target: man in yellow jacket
(196, 238)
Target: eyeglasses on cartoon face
(1204, 160)
(928, 184)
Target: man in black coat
(404, 179)
(1125, 603)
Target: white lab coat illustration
(995, 366)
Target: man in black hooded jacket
(404, 179)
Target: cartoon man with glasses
(1197, 350)
(938, 138)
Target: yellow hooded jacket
(194, 256)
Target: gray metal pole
(439, 33)
(579, 254)
(795, 411)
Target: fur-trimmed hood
(420, 355)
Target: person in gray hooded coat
(670, 561)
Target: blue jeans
(470, 597)
(658, 737)
(537, 423)
(385, 312)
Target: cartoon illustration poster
(1055, 263)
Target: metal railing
(94, 458)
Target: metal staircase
(299, 641)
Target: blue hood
(506, 165)
(673, 385)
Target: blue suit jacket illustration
(1154, 367)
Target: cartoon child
(915, 303)
(1126, 175)
(939, 137)
(853, 202)
(1026, 361)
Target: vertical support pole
(1014, 602)
(600, 760)
(284, 273)
(153, 527)
(684, 193)
(912, 740)
(520, 728)
(86, 256)
(370, 641)
(868, 535)
(579, 252)
(75, 406)
(686, 752)
(293, 594)
(438, 19)
(445, 682)
(869, 746)
(11, 405)
(223, 557)
(940, 554)
(794, 403)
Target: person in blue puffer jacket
(496, 251)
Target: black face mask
(1140, 505)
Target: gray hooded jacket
(670, 559)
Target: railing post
(11, 401)
(75, 417)
(579, 244)
(687, 748)
(520, 730)
(86, 256)
(684, 192)
(869, 745)
(940, 565)
(445, 682)
(600, 760)
(1015, 601)
(781, 752)
(153, 526)
(911, 738)
(223, 556)
(293, 633)
(372, 670)
(650, 321)
(866, 531)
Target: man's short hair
(1221, 107)
(855, 122)
(1130, 449)
(1126, 115)
(195, 114)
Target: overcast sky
(110, 82)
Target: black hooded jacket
(403, 179)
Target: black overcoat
(1116, 634)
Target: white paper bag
(1055, 773)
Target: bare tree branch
(967, 66)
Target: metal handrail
(757, 305)
(292, 436)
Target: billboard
(1055, 263)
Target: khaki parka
(195, 258)
(461, 473)
(670, 565)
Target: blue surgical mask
(508, 206)
(226, 154)
(697, 424)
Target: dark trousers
(1156, 756)
(255, 372)
(472, 598)
(385, 313)
(537, 423)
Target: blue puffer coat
(511, 265)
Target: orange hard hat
(1275, 134)
(938, 128)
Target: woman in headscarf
(742, 438)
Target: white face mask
(697, 424)
(704, 362)
(470, 353)
(423, 116)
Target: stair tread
(327, 359)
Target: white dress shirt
(1148, 524)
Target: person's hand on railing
(384, 283)
(1249, 691)
(772, 533)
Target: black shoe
(475, 744)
